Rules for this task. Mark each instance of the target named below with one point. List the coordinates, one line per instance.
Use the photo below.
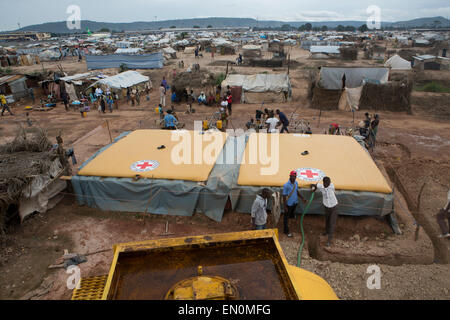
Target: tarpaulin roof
(144, 61)
(169, 50)
(259, 82)
(251, 47)
(123, 80)
(324, 49)
(78, 76)
(331, 78)
(398, 63)
(128, 50)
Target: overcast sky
(29, 12)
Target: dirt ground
(417, 147)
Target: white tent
(123, 80)
(128, 50)
(259, 88)
(398, 63)
(332, 78)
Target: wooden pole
(109, 131)
(289, 63)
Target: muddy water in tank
(253, 267)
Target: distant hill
(61, 27)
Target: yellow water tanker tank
(247, 265)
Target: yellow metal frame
(90, 288)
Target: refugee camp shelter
(14, 86)
(333, 90)
(251, 51)
(77, 83)
(324, 52)
(169, 53)
(258, 88)
(332, 78)
(398, 63)
(430, 62)
(123, 80)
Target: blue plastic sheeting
(144, 61)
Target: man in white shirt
(98, 92)
(273, 123)
(259, 210)
(330, 203)
(162, 95)
(224, 103)
(441, 216)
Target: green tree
(363, 28)
(308, 26)
(209, 26)
(302, 28)
(104, 30)
(286, 27)
(340, 28)
(324, 28)
(173, 27)
(196, 27)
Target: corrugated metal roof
(8, 79)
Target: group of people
(270, 120)
(369, 129)
(291, 197)
(101, 100)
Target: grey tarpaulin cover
(331, 78)
(144, 61)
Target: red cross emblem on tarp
(145, 165)
(310, 174)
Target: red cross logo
(144, 165)
(309, 174)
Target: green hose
(299, 257)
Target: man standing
(441, 216)
(4, 104)
(273, 123)
(374, 129)
(291, 194)
(65, 98)
(330, 203)
(230, 103)
(284, 121)
(31, 92)
(162, 95)
(259, 210)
